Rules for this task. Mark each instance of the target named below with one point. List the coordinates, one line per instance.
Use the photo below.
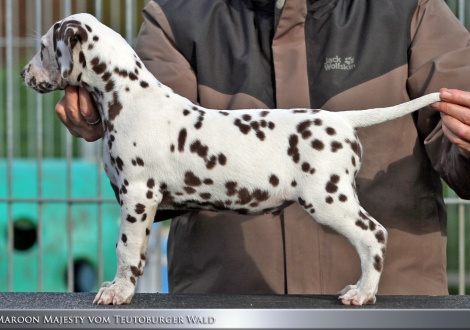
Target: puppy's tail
(364, 118)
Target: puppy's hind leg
(137, 214)
(340, 210)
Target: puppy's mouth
(41, 87)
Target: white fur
(269, 168)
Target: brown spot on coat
(139, 161)
(182, 139)
(231, 188)
(380, 237)
(274, 180)
(135, 271)
(305, 167)
(189, 190)
(378, 263)
(97, 66)
(211, 163)
(139, 208)
(260, 135)
(199, 148)
(356, 148)
(205, 196)
(330, 131)
(245, 129)
(109, 86)
(122, 73)
(317, 145)
(119, 163)
(362, 225)
(106, 76)
(81, 59)
(293, 151)
(191, 180)
(303, 126)
(208, 181)
(303, 203)
(331, 187)
(335, 146)
(222, 159)
(114, 106)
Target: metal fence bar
(129, 21)
(461, 229)
(68, 152)
(461, 16)
(39, 133)
(58, 200)
(461, 249)
(461, 11)
(98, 15)
(9, 122)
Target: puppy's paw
(353, 295)
(117, 292)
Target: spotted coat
(162, 151)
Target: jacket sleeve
(439, 56)
(156, 48)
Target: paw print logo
(349, 60)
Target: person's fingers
(61, 111)
(454, 103)
(457, 132)
(87, 106)
(77, 112)
(456, 96)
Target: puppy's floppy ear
(67, 34)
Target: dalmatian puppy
(162, 151)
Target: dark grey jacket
(335, 55)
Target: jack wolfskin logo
(336, 63)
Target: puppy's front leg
(137, 214)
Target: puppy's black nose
(23, 73)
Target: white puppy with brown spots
(162, 151)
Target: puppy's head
(60, 61)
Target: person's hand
(78, 113)
(455, 113)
